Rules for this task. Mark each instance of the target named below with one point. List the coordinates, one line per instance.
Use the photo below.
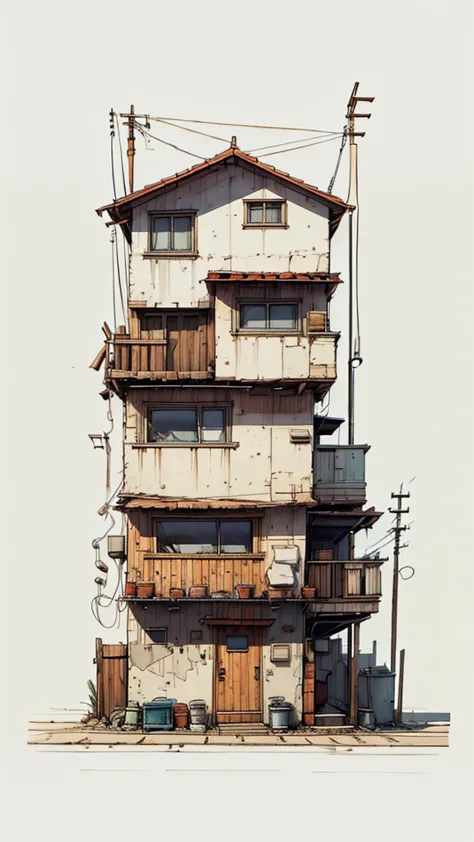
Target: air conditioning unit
(116, 546)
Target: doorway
(238, 679)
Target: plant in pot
(245, 591)
(308, 593)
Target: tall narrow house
(240, 513)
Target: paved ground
(64, 734)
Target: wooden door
(111, 662)
(238, 680)
(187, 349)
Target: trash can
(197, 715)
(279, 711)
(366, 718)
(158, 715)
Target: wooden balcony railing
(217, 572)
(172, 355)
(345, 579)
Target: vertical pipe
(399, 712)
(349, 663)
(350, 372)
(131, 146)
(355, 675)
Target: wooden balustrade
(344, 579)
(217, 572)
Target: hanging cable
(114, 307)
(341, 150)
(356, 271)
(187, 129)
(245, 125)
(146, 135)
(121, 155)
(112, 166)
(119, 275)
(305, 146)
(382, 546)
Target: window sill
(260, 225)
(266, 333)
(231, 445)
(170, 255)
(258, 556)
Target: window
(264, 316)
(204, 536)
(198, 425)
(172, 232)
(158, 635)
(265, 213)
(237, 643)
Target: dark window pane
(161, 235)
(182, 228)
(213, 425)
(157, 635)
(273, 213)
(237, 643)
(173, 425)
(236, 536)
(253, 316)
(187, 536)
(255, 212)
(282, 316)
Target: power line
(146, 134)
(274, 145)
(305, 146)
(245, 125)
(341, 150)
(187, 129)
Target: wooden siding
(341, 580)
(217, 572)
(164, 346)
(111, 663)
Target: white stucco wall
(222, 242)
(185, 671)
(265, 466)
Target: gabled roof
(119, 211)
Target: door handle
(222, 674)
(256, 673)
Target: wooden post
(399, 712)
(131, 146)
(354, 706)
(349, 667)
(99, 679)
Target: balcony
(215, 572)
(339, 474)
(346, 585)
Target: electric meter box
(116, 546)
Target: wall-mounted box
(116, 546)
(280, 652)
(300, 436)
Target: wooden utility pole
(398, 529)
(351, 117)
(130, 120)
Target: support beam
(353, 708)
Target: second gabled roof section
(119, 211)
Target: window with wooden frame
(188, 424)
(266, 316)
(265, 213)
(203, 536)
(173, 233)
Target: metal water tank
(279, 711)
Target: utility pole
(354, 352)
(398, 529)
(130, 120)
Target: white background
(64, 67)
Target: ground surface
(56, 734)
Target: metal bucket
(197, 712)
(279, 711)
(366, 718)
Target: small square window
(237, 643)
(265, 213)
(158, 635)
(180, 425)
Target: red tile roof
(321, 277)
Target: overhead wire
(245, 125)
(146, 134)
(119, 275)
(187, 129)
(341, 150)
(114, 305)
(274, 145)
(304, 146)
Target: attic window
(265, 214)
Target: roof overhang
(325, 426)
(183, 504)
(342, 522)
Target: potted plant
(308, 593)
(245, 591)
(145, 590)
